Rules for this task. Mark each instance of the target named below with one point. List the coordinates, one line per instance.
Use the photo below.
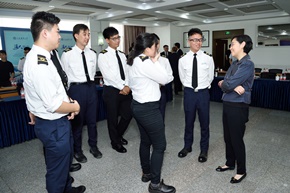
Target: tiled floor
(267, 141)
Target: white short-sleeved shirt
(21, 64)
(109, 67)
(72, 64)
(44, 91)
(205, 69)
(145, 78)
(166, 64)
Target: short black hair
(177, 45)
(42, 20)
(245, 38)
(109, 32)
(193, 31)
(165, 46)
(27, 48)
(78, 27)
(3, 52)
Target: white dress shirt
(166, 64)
(44, 91)
(72, 64)
(109, 67)
(145, 78)
(205, 69)
(21, 64)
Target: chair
(287, 76)
(258, 70)
(268, 75)
(276, 71)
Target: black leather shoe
(202, 156)
(220, 169)
(75, 167)
(96, 153)
(146, 177)
(234, 180)
(184, 152)
(161, 188)
(80, 157)
(124, 141)
(79, 189)
(119, 148)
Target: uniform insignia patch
(22, 58)
(207, 53)
(143, 58)
(121, 51)
(41, 59)
(67, 49)
(104, 51)
(93, 50)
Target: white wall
(264, 57)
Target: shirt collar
(41, 51)
(246, 57)
(111, 49)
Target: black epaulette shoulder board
(22, 58)
(93, 50)
(67, 49)
(41, 59)
(182, 55)
(207, 53)
(121, 52)
(143, 58)
(104, 51)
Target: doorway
(221, 42)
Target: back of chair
(277, 71)
(268, 75)
(258, 70)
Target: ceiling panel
(176, 12)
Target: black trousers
(117, 104)
(196, 102)
(235, 117)
(57, 140)
(86, 95)
(152, 133)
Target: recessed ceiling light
(51, 6)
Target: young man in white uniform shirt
(80, 63)
(47, 100)
(117, 94)
(196, 94)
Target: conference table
(266, 93)
(14, 118)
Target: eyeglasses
(196, 40)
(115, 38)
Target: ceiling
(155, 12)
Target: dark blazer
(179, 52)
(163, 54)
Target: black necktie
(194, 72)
(120, 66)
(85, 67)
(60, 71)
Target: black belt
(81, 83)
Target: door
(219, 53)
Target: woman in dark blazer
(237, 86)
